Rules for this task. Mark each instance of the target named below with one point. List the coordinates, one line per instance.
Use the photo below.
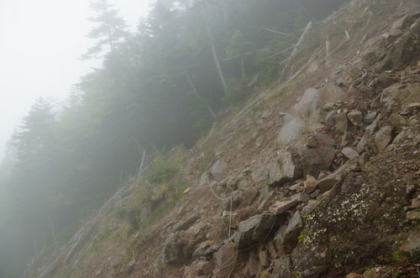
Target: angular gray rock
(355, 117)
(280, 207)
(254, 230)
(204, 180)
(282, 171)
(183, 225)
(341, 123)
(383, 137)
(369, 118)
(218, 168)
(349, 152)
(293, 230)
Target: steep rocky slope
(316, 177)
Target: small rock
(395, 33)
(369, 118)
(312, 142)
(263, 257)
(355, 117)
(330, 118)
(302, 197)
(183, 225)
(204, 180)
(297, 187)
(383, 137)
(310, 184)
(349, 153)
(415, 203)
(280, 207)
(413, 107)
(341, 123)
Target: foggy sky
(41, 42)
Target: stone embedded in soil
(349, 153)
(341, 123)
(383, 137)
(369, 118)
(206, 248)
(327, 183)
(223, 258)
(310, 184)
(302, 197)
(280, 207)
(218, 168)
(204, 180)
(183, 225)
(297, 187)
(355, 117)
(293, 229)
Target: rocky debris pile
(317, 208)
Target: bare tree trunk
(296, 48)
(213, 51)
(194, 90)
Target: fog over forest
(79, 113)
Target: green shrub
(161, 170)
(120, 211)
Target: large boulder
(255, 229)
(318, 158)
(291, 129)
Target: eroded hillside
(318, 176)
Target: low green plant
(397, 256)
(120, 211)
(302, 235)
(264, 274)
(103, 233)
(161, 170)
